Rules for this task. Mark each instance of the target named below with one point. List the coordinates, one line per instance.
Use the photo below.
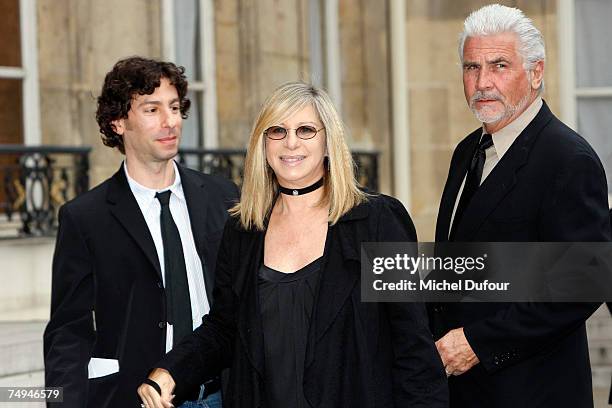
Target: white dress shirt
(502, 140)
(151, 210)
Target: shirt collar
(145, 195)
(503, 139)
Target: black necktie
(178, 304)
(472, 181)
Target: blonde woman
(287, 317)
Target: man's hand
(149, 395)
(456, 353)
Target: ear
(538, 75)
(118, 126)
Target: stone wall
(26, 274)
(365, 72)
(260, 44)
(78, 42)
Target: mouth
(486, 100)
(167, 140)
(292, 160)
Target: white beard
(488, 115)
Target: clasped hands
(150, 397)
(456, 353)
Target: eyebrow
(156, 102)
(498, 60)
(494, 61)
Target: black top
(286, 301)
(358, 354)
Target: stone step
(31, 379)
(21, 347)
(601, 376)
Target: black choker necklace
(300, 191)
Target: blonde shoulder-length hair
(260, 187)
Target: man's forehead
(505, 44)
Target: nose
(170, 118)
(291, 140)
(483, 81)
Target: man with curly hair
(134, 261)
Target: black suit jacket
(549, 186)
(357, 354)
(105, 261)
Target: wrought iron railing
(34, 182)
(230, 163)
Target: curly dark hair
(129, 77)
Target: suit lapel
(458, 170)
(340, 272)
(502, 179)
(125, 209)
(197, 206)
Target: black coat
(549, 186)
(357, 354)
(105, 261)
(609, 304)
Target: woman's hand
(150, 397)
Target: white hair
(497, 19)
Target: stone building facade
(261, 44)
(346, 46)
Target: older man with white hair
(522, 177)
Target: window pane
(10, 51)
(11, 111)
(187, 39)
(594, 124)
(187, 27)
(593, 45)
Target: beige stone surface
(260, 45)
(365, 80)
(26, 264)
(78, 43)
